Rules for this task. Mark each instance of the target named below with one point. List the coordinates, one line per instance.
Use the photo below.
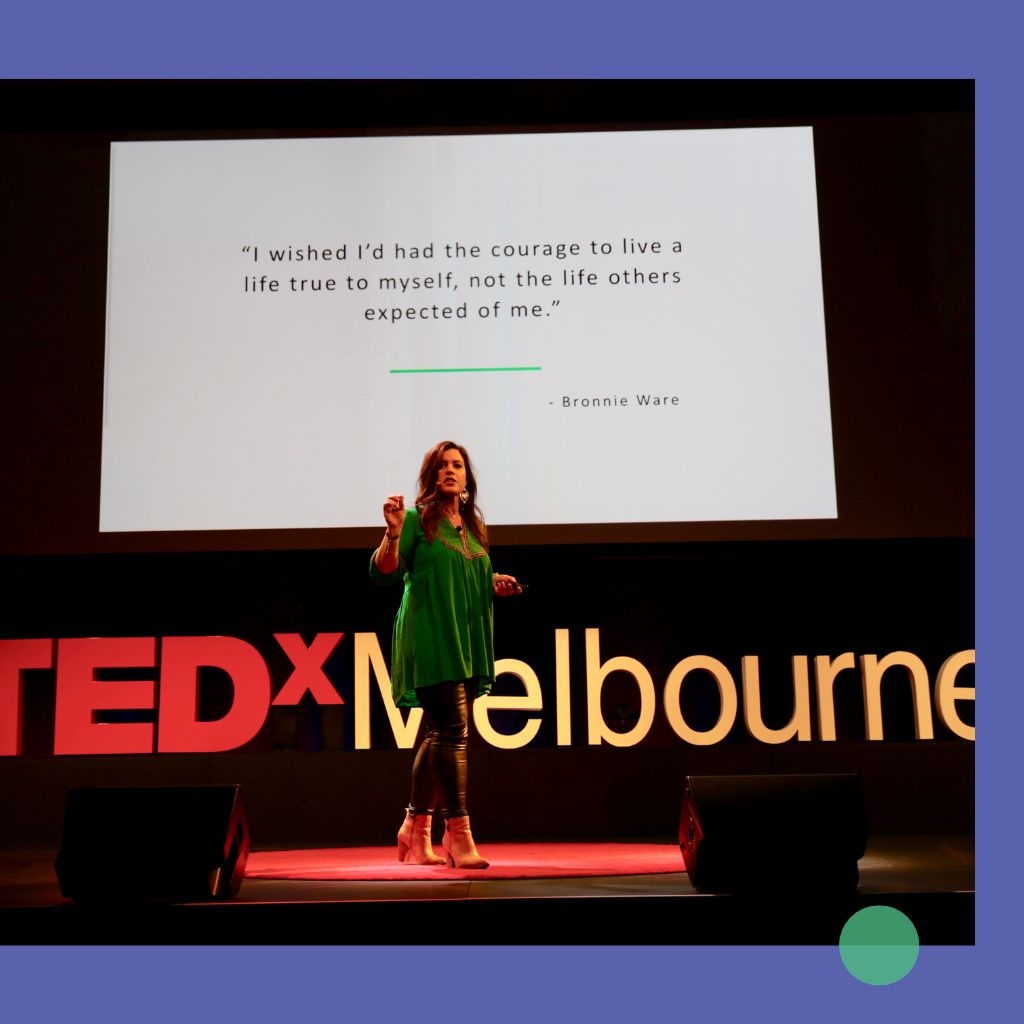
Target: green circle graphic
(879, 945)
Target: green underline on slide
(471, 369)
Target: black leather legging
(439, 771)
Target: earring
(464, 496)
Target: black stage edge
(779, 919)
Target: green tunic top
(444, 629)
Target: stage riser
(776, 919)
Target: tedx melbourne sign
(167, 691)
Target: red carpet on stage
(508, 860)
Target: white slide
(621, 327)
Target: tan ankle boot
(459, 846)
(414, 841)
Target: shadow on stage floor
(929, 878)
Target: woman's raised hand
(394, 513)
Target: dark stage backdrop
(893, 572)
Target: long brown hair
(429, 504)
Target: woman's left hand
(506, 585)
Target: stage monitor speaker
(165, 843)
(741, 833)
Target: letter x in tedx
(308, 674)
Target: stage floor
(929, 878)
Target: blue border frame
(747, 38)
